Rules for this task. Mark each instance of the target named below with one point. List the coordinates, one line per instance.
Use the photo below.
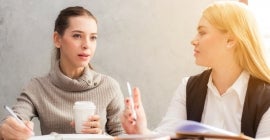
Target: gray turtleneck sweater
(52, 97)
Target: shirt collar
(239, 86)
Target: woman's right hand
(12, 129)
(130, 124)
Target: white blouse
(221, 111)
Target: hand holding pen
(134, 115)
(133, 118)
(13, 114)
(13, 127)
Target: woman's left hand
(92, 126)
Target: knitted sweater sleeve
(114, 110)
(24, 107)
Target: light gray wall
(145, 42)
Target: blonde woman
(234, 93)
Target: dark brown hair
(62, 21)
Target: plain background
(145, 42)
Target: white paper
(72, 137)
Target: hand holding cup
(85, 119)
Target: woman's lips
(196, 52)
(83, 56)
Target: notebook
(192, 129)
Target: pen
(13, 114)
(131, 102)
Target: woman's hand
(92, 126)
(12, 129)
(130, 124)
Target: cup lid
(84, 105)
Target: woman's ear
(231, 42)
(57, 39)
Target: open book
(192, 129)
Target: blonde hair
(238, 21)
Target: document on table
(193, 129)
(265, 138)
(99, 137)
(72, 137)
(143, 137)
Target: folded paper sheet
(191, 129)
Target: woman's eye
(93, 38)
(201, 33)
(77, 36)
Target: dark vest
(257, 101)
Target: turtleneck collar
(89, 79)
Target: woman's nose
(194, 42)
(86, 44)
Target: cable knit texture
(51, 99)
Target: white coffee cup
(82, 111)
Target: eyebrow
(78, 31)
(200, 27)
